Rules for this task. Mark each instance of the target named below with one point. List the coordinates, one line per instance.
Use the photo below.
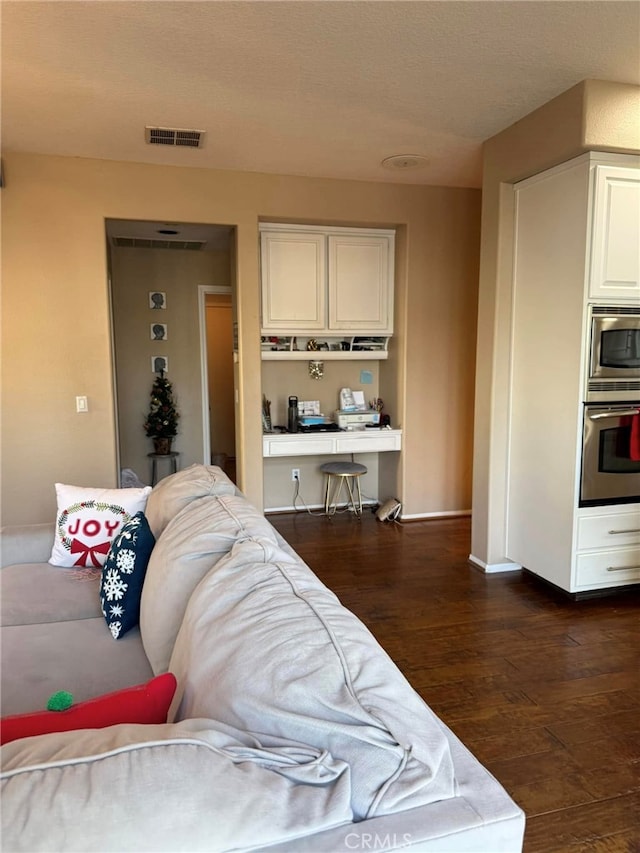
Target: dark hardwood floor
(543, 690)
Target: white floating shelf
(324, 355)
(301, 353)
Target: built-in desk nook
(326, 325)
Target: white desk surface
(324, 443)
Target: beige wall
(594, 115)
(178, 273)
(56, 327)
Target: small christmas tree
(162, 419)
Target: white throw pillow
(88, 519)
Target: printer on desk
(353, 414)
(357, 420)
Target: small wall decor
(159, 364)
(157, 299)
(316, 369)
(158, 331)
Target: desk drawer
(295, 447)
(368, 444)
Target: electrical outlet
(295, 475)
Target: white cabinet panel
(576, 239)
(360, 278)
(609, 531)
(326, 281)
(608, 568)
(294, 447)
(367, 444)
(293, 281)
(615, 259)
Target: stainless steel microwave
(614, 354)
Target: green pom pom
(60, 701)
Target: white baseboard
(423, 516)
(490, 568)
(315, 507)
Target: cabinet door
(361, 283)
(293, 282)
(615, 253)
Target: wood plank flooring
(543, 690)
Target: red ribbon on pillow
(89, 551)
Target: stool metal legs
(331, 500)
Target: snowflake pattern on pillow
(123, 575)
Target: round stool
(338, 473)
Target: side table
(173, 459)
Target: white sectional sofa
(291, 729)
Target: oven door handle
(618, 414)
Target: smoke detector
(403, 162)
(174, 136)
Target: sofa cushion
(144, 703)
(26, 543)
(79, 656)
(174, 493)
(287, 660)
(87, 521)
(35, 593)
(191, 544)
(179, 787)
(123, 575)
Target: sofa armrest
(26, 543)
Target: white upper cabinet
(615, 247)
(293, 281)
(360, 283)
(326, 281)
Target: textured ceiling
(300, 87)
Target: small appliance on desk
(357, 420)
(353, 413)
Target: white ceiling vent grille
(145, 243)
(174, 136)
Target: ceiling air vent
(174, 136)
(145, 243)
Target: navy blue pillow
(123, 575)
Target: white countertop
(321, 443)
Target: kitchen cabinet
(326, 282)
(293, 278)
(607, 547)
(562, 221)
(615, 257)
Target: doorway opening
(218, 392)
(185, 264)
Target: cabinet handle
(622, 568)
(617, 413)
(631, 530)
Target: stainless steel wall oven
(610, 455)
